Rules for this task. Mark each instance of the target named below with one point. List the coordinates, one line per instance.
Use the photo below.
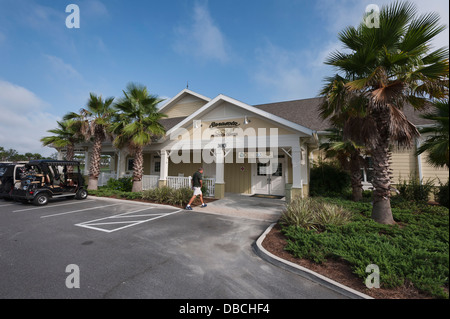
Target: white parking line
(50, 206)
(80, 210)
(91, 224)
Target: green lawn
(416, 250)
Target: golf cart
(9, 175)
(42, 180)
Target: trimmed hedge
(163, 195)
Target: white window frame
(155, 158)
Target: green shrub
(148, 195)
(415, 190)
(166, 195)
(414, 251)
(124, 184)
(313, 213)
(132, 195)
(328, 179)
(180, 196)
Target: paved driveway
(125, 249)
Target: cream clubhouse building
(264, 149)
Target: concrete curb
(130, 201)
(302, 271)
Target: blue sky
(255, 51)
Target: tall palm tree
(65, 136)
(437, 144)
(386, 68)
(92, 123)
(350, 157)
(137, 125)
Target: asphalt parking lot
(126, 249)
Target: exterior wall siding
(432, 173)
(188, 169)
(404, 164)
(238, 181)
(185, 107)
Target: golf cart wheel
(81, 194)
(40, 200)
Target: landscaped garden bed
(413, 255)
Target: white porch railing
(186, 182)
(150, 182)
(175, 182)
(179, 182)
(210, 184)
(103, 178)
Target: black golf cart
(9, 176)
(42, 180)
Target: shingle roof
(306, 113)
(302, 112)
(169, 123)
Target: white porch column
(164, 172)
(60, 155)
(122, 163)
(219, 191)
(112, 163)
(297, 176)
(87, 162)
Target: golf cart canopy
(54, 163)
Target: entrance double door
(269, 179)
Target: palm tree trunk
(94, 169)
(381, 211)
(70, 154)
(138, 170)
(356, 178)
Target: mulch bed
(339, 271)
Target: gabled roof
(180, 96)
(306, 113)
(301, 115)
(258, 111)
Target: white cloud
(441, 7)
(24, 119)
(288, 75)
(284, 74)
(94, 8)
(61, 68)
(202, 38)
(338, 14)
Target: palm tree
(350, 157)
(92, 123)
(384, 69)
(437, 144)
(137, 125)
(65, 136)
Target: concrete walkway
(245, 206)
(265, 209)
